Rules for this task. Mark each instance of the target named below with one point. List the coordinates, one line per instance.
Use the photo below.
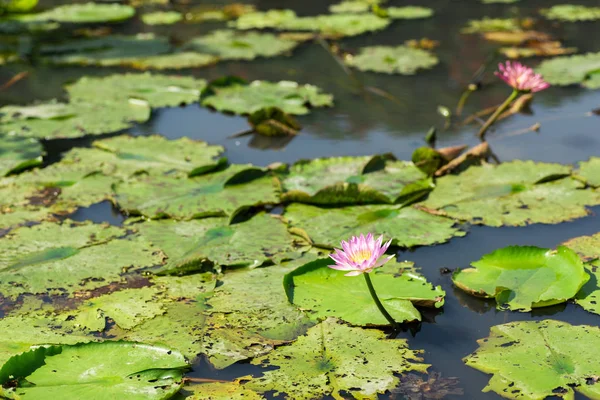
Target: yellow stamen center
(361, 256)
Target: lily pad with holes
(189, 245)
(235, 45)
(87, 13)
(129, 370)
(387, 59)
(539, 359)
(64, 259)
(162, 18)
(217, 194)
(222, 391)
(290, 97)
(524, 277)
(325, 292)
(126, 156)
(330, 360)
(590, 171)
(572, 12)
(157, 90)
(515, 193)
(409, 12)
(407, 227)
(18, 154)
(83, 119)
(492, 25)
(588, 248)
(570, 70)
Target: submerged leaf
(403, 60)
(538, 359)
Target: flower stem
(497, 113)
(378, 302)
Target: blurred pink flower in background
(521, 77)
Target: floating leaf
(588, 247)
(87, 13)
(190, 244)
(409, 12)
(572, 12)
(19, 154)
(211, 13)
(330, 360)
(538, 49)
(18, 6)
(156, 90)
(512, 193)
(353, 6)
(563, 71)
(131, 370)
(260, 20)
(590, 171)
(290, 97)
(234, 45)
(221, 391)
(407, 227)
(325, 292)
(162, 18)
(217, 194)
(492, 25)
(386, 59)
(539, 359)
(524, 277)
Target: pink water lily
(361, 255)
(521, 77)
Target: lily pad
(217, 194)
(563, 71)
(524, 277)
(325, 292)
(276, 19)
(156, 90)
(190, 244)
(180, 60)
(590, 171)
(539, 359)
(492, 25)
(407, 227)
(19, 154)
(290, 97)
(87, 13)
(162, 18)
(131, 370)
(572, 12)
(588, 247)
(387, 59)
(126, 156)
(221, 391)
(353, 6)
(18, 6)
(330, 360)
(235, 45)
(409, 12)
(514, 193)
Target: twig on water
(14, 79)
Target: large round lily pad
(235, 45)
(331, 359)
(407, 227)
(18, 154)
(325, 292)
(513, 193)
(522, 277)
(217, 194)
(288, 96)
(127, 370)
(572, 12)
(83, 13)
(539, 359)
(387, 59)
(570, 70)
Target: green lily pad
(588, 248)
(513, 193)
(409, 12)
(290, 97)
(524, 277)
(235, 45)
(570, 70)
(275, 19)
(126, 156)
(401, 181)
(128, 370)
(11, 26)
(353, 6)
(330, 360)
(593, 81)
(87, 13)
(180, 60)
(387, 59)
(326, 292)
(83, 119)
(52, 258)
(221, 391)
(19, 154)
(539, 359)
(190, 244)
(187, 287)
(162, 18)
(156, 90)
(492, 25)
(217, 194)
(407, 227)
(590, 171)
(572, 12)
(18, 6)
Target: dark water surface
(363, 123)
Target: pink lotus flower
(360, 255)
(521, 78)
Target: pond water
(364, 123)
